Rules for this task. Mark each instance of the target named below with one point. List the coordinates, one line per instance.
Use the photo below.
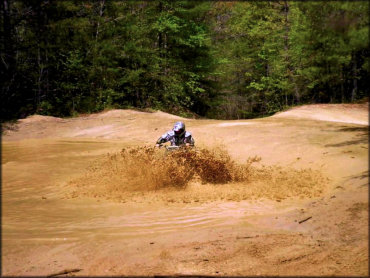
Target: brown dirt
(205, 174)
(345, 113)
(284, 195)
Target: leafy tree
(213, 58)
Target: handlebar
(170, 148)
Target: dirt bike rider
(178, 136)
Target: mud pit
(69, 206)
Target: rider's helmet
(179, 129)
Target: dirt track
(264, 226)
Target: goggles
(178, 132)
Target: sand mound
(117, 113)
(124, 113)
(191, 175)
(168, 116)
(235, 124)
(344, 113)
(40, 118)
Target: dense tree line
(213, 58)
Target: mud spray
(189, 175)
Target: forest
(214, 59)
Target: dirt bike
(170, 148)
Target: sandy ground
(66, 212)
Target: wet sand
(203, 229)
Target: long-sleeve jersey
(175, 140)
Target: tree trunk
(341, 84)
(7, 32)
(5, 19)
(7, 54)
(47, 67)
(101, 11)
(297, 94)
(354, 71)
(39, 81)
(287, 58)
(160, 35)
(40, 29)
(286, 11)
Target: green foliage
(213, 58)
(278, 54)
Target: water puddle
(73, 220)
(236, 124)
(34, 178)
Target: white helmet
(179, 129)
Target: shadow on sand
(361, 138)
(361, 176)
